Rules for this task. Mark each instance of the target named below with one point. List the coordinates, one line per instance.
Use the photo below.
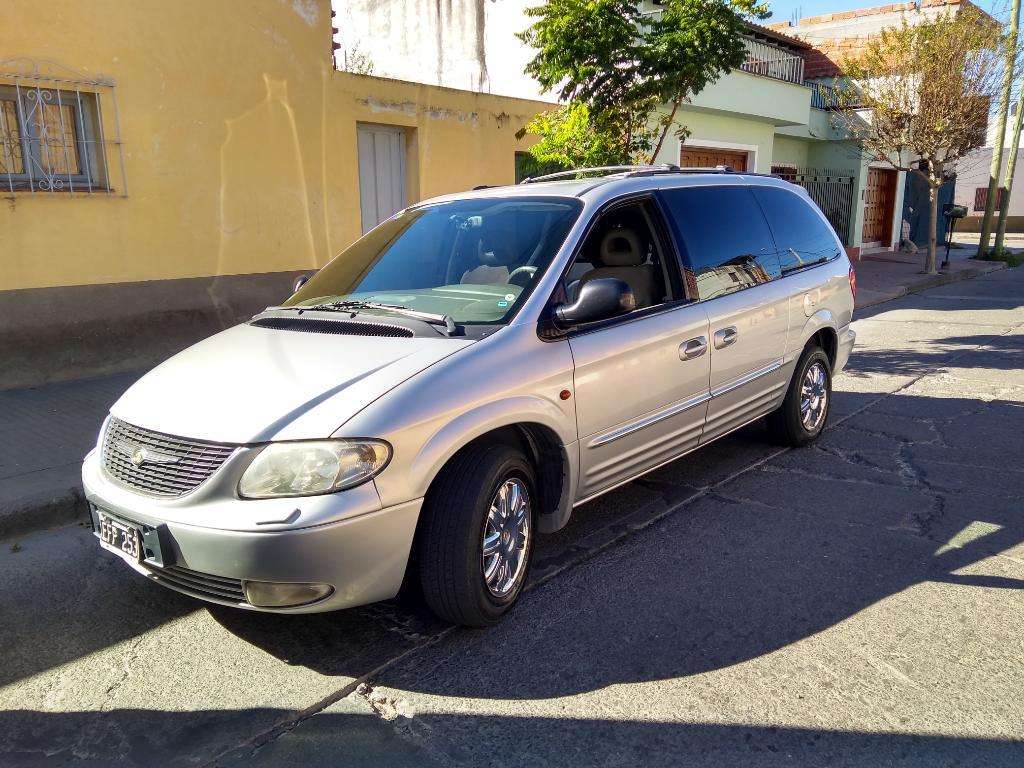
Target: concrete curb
(865, 299)
(51, 498)
(41, 500)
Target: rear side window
(801, 235)
(726, 242)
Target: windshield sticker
(510, 297)
(502, 303)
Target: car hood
(249, 384)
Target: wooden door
(879, 198)
(707, 157)
(381, 172)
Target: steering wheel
(524, 275)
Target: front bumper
(363, 555)
(847, 338)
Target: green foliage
(572, 138)
(624, 65)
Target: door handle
(726, 336)
(693, 348)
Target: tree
(923, 92)
(623, 64)
(1000, 134)
(571, 137)
(1011, 168)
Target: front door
(381, 172)
(641, 380)
(708, 157)
(879, 198)
(731, 259)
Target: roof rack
(627, 171)
(604, 170)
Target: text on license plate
(119, 537)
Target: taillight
(853, 283)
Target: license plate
(119, 536)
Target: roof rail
(628, 171)
(602, 169)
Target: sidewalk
(46, 431)
(886, 275)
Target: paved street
(854, 603)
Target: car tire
(461, 582)
(803, 414)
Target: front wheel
(476, 540)
(803, 414)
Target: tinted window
(727, 244)
(801, 235)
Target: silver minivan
(462, 377)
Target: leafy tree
(923, 91)
(623, 64)
(571, 137)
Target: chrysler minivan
(460, 379)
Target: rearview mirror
(300, 281)
(598, 299)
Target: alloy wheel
(814, 397)
(506, 537)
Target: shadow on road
(741, 570)
(365, 740)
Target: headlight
(307, 468)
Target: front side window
(473, 260)
(727, 243)
(624, 244)
(802, 237)
(48, 140)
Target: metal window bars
(59, 131)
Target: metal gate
(832, 190)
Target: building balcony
(772, 61)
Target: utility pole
(1000, 137)
(1011, 166)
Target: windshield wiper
(355, 306)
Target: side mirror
(300, 281)
(598, 299)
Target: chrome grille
(200, 584)
(174, 465)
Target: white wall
(465, 44)
(972, 172)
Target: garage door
(381, 173)
(706, 157)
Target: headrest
(494, 250)
(621, 248)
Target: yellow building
(166, 168)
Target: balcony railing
(763, 58)
(772, 61)
(824, 96)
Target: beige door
(706, 157)
(381, 172)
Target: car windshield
(473, 260)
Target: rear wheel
(476, 541)
(802, 416)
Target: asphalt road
(854, 603)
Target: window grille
(59, 131)
(981, 198)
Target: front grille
(173, 467)
(200, 584)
